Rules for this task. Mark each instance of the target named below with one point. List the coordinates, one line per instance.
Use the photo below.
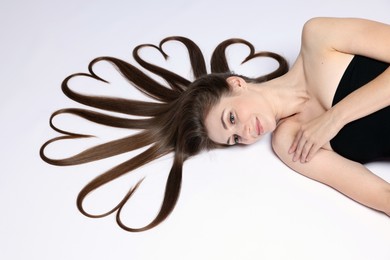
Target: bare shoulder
(324, 25)
(329, 22)
(315, 33)
(283, 137)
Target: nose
(245, 132)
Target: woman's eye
(236, 139)
(231, 119)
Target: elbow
(388, 204)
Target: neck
(286, 94)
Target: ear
(236, 83)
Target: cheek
(247, 109)
(252, 141)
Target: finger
(298, 151)
(294, 145)
(312, 152)
(305, 151)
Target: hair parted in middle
(174, 123)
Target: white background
(240, 203)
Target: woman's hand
(313, 135)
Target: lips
(259, 127)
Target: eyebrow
(223, 121)
(224, 125)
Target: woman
(317, 127)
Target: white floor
(235, 204)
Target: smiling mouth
(259, 128)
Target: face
(240, 118)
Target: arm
(347, 35)
(354, 36)
(348, 177)
(368, 99)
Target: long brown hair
(171, 124)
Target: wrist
(339, 120)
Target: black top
(368, 138)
